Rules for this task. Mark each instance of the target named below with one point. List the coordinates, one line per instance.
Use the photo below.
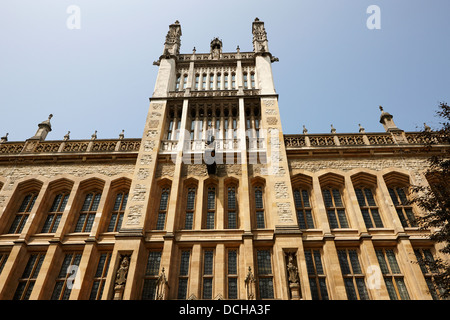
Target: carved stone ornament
(292, 269)
(293, 276)
(121, 277)
(161, 285)
(249, 284)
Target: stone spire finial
(43, 129)
(4, 138)
(333, 130)
(361, 129)
(427, 128)
(387, 122)
(305, 131)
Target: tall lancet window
(231, 208)
(211, 208)
(162, 211)
(55, 213)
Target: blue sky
(332, 68)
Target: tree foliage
(434, 200)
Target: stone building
(214, 201)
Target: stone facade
(277, 217)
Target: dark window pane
(207, 288)
(360, 197)
(232, 288)
(266, 288)
(184, 265)
(232, 262)
(208, 263)
(350, 289)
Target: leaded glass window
(355, 286)
(29, 276)
(163, 204)
(190, 207)
(118, 212)
(265, 276)
(316, 274)
(303, 208)
(231, 208)
(393, 277)
(368, 207)
(151, 275)
(208, 268)
(259, 206)
(88, 211)
(22, 214)
(100, 276)
(232, 274)
(183, 276)
(335, 208)
(55, 213)
(425, 255)
(211, 208)
(403, 207)
(65, 280)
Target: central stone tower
(211, 197)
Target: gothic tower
(211, 182)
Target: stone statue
(249, 282)
(121, 275)
(292, 269)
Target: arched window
(185, 80)
(402, 206)
(190, 208)
(259, 207)
(211, 208)
(55, 213)
(398, 187)
(335, 207)
(162, 211)
(231, 212)
(233, 81)
(252, 77)
(245, 80)
(226, 81)
(369, 208)
(303, 208)
(177, 84)
(197, 80)
(219, 81)
(22, 214)
(204, 81)
(211, 81)
(118, 211)
(88, 212)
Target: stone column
(333, 270)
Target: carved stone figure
(249, 283)
(292, 269)
(122, 272)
